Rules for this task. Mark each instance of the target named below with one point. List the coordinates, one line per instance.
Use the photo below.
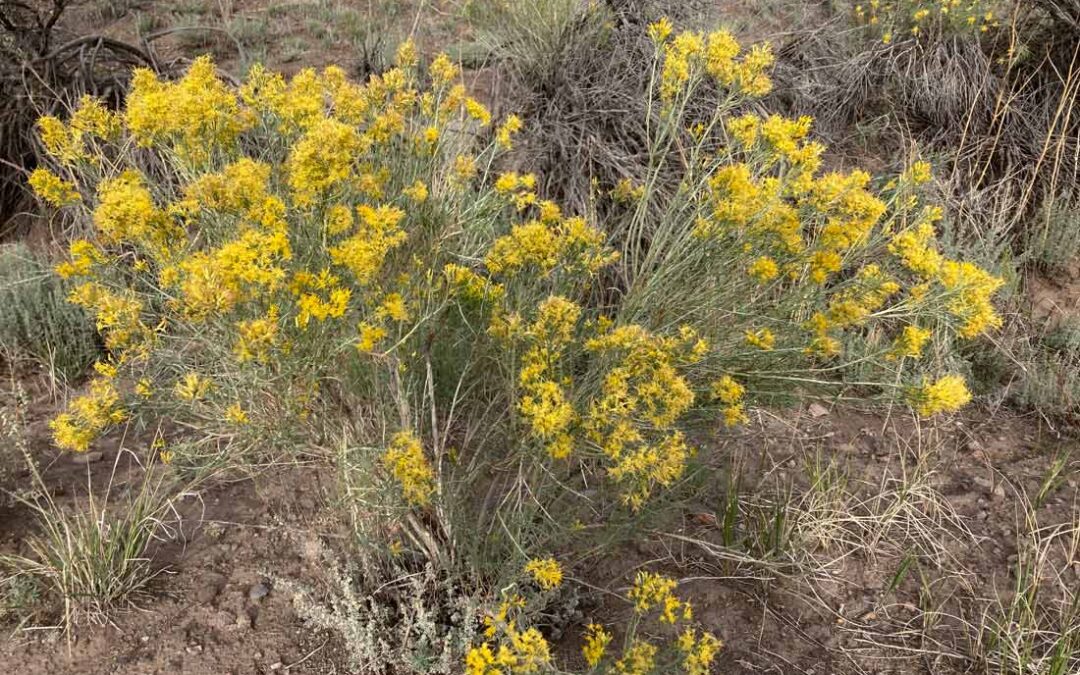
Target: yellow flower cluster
(241, 189)
(516, 650)
(688, 54)
(642, 397)
(546, 572)
(626, 192)
(910, 343)
(126, 214)
(318, 297)
(947, 394)
(198, 115)
(71, 143)
(967, 289)
(655, 590)
(595, 644)
(323, 158)
(83, 258)
(88, 416)
(698, 651)
(193, 387)
(867, 292)
(117, 315)
(570, 244)
(891, 18)
(405, 460)
(544, 403)
(638, 659)
(53, 189)
(970, 290)
(214, 282)
(730, 394)
(764, 339)
(256, 338)
(468, 285)
(378, 232)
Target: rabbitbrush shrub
(274, 263)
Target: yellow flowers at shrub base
(546, 572)
(516, 650)
(88, 416)
(638, 659)
(698, 651)
(947, 394)
(596, 641)
(654, 590)
(406, 461)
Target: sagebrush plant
(36, 320)
(272, 261)
(417, 621)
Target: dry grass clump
(83, 563)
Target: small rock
(276, 666)
(194, 649)
(87, 457)
(145, 638)
(259, 591)
(817, 410)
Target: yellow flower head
(947, 394)
(660, 31)
(52, 189)
(236, 414)
(406, 461)
(546, 572)
(596, 641)
(192, 387)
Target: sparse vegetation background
(550, 337)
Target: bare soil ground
(215, 609)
